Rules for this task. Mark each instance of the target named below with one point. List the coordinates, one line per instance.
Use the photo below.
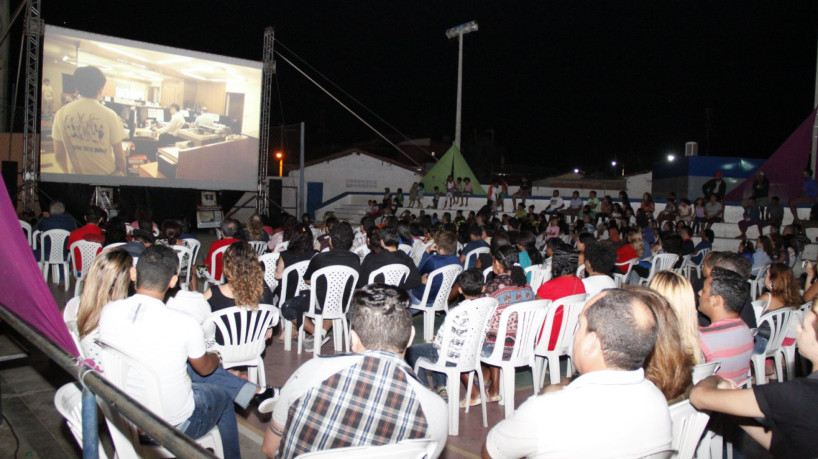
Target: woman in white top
(107, 280)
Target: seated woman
(255, 229)
(107, 280)
(783, 293)
(299, 249)
(763, 255)
(508, 287)
(171, 229)
(244, 280)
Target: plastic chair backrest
(338, 296)
(243, 330)
(779, 322)
(270, 262)
(113, 245)
(26, 229)
(71, 309)
(474, 254)
(217, 256)
(477, 313)
(118, 366)
(185, 256)
(68, 401)
(405, 248)
(58, 239)
(407, 449)
(486, 273)
(417, 253)
(259, 246)
(662, 262)
(704, 370)
(194, 245)
(300, 268)
(362, 252)
(757, 284)
(281, 246)
(530, 318)
(688, 424)
(758, 308)
(447, 275)
(82, 253)
(572, 308)
(537, 276)
(394, 274)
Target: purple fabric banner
(784, 167)
(22, 287)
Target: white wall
(357, 172)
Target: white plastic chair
(758, 308)
(405, 248)
(581, 271)
(56, 256)
(474, 254)
(194, 245)
(362, 252)
(270, 262)
(530, 316)
(690, 266)
(68, 401)
(124, 434)
(660, 262)
(259, 246)
(704, 370)
(688, 425)
(420, 448)
(486, 273)
(210, 274)
(440, 302)
(300, 268)
(335, 306)
(69, 316)
(779, 322)
(539, 276)
(789, 351)
(281, 246)
(683, 268)
(82, 253)
(477, 314)
(113, 245)
(26, 229)
(185, 256)
(417, 253)
(243, 330)
(619, 279)
(757, 284)
(571, 309)
(394, 274)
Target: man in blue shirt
(808, 195)
(443, 252)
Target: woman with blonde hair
(634, 248)
(679, 294)
(669, 366)
(107, 280)
(244, 280)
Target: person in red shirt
(564, 282)
(89, 232)
(633, 249)
(230, 228)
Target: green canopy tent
(452, 163)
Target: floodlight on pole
(280, 158)
(458, 32)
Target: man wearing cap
(714, 186)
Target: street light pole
(458, 32)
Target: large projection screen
(219, 99)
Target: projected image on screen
(119, 112)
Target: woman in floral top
(509, 287)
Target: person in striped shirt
(727, 340)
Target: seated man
(443, 252)
(197, 393)
(727, 340)
(785, 410)
(389, 255)
(91, 231)
(230, 229)
(610, 410)
(330, 402)
(476, 242)
(713, 211)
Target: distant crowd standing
(639, 332)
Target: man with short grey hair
(56, 218)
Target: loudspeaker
(274, 198)
(10, 179)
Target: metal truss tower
(32, 36)
(268, 71)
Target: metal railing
(94, 384)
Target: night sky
(562, 84)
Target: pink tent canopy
(22, 287)
(784, 167)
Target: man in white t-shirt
(371, 397)
(611, 410)
(600, 259)
(197, 393)
(556, 203)
(87, 135)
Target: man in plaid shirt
(371, 397)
